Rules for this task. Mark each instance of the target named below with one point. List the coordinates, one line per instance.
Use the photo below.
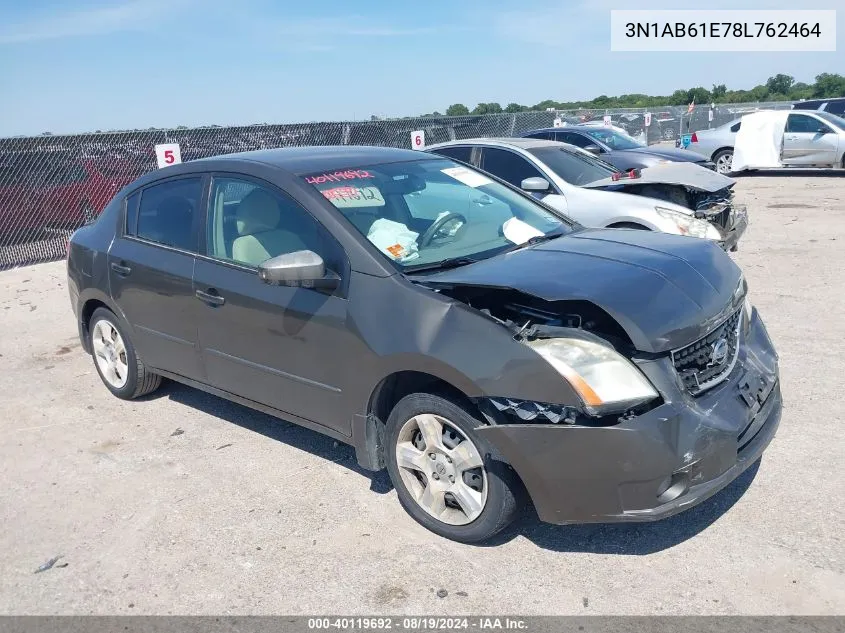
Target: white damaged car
(678, 198)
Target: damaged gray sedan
(478, 344)
(677, 198)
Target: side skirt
(276, 413)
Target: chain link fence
(51, 185)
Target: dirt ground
(184, 503)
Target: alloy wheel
(442, 469)
(724, 163)
(110, 353)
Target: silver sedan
(810, 139)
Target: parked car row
(449, 319)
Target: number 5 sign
(418, 139)
(168, 154)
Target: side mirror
(535, 184)
(822, 130)
(300, 268)
(593, 149)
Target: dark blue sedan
(620, 150)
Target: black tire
(139, 381)
(629, 225)
(505, 493)
(722, 153)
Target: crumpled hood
(684, 174)
(670, 153)
(666, 291)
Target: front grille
(709, 360)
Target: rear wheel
(120, 369)
(724, 160)
(445, 474)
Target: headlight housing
(688, 225)
(606, 381)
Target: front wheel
(724, 161)
(445, 474)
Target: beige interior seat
(259, 235)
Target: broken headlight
(606, 381)
(689, 225)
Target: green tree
(719, 91)
(800, 90)
(758, 93)
(515, 107)
(829, 85)
(487, 108)
(698, 95)
(457, 109)
(780, 84)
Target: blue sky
(93, 64)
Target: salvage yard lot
(185, 503)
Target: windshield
(422, 213)
(576, 168)
(838, 121)
(612, 138)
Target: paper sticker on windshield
(354, 197)
(468, 177)
(518, 231)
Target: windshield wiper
(539, 239)
(451, 262)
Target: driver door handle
(120, 269)
(211, 297)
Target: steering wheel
(437, 226)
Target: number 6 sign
(168, 154)
(418, 139)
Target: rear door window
(167, 213)
(572, 138)
(462, 153)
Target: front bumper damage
(734, 228)
(657, 464)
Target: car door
(514, 168)
(808, 141)
(151, 265)
(274, 345)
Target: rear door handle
(120, 269)
(211, 297)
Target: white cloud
(132, 15)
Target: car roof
(816, 102)
(571, 126)
(522, 143)
(303, 160)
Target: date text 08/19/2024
(717, 30)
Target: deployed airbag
(759, 140)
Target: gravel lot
(184, 503)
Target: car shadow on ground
(627, 539)
(780, 173)
(275, 428)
